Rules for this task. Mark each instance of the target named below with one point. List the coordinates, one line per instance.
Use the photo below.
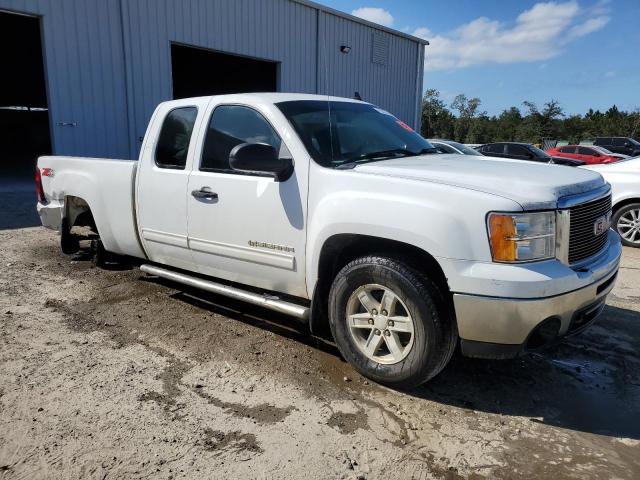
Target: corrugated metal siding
(277, 30)
(390, 84)
(380, 49)
(108, 62)
(85, 74)
(419, 84)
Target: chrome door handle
(206, 193)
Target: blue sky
(584, 53)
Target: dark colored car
(624, 145)
(524, 151)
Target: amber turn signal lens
(502, 230)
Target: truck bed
(106, 185)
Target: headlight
(522, 237)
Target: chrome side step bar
(266, 301)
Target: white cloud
(538, 34)
(423, 32)
(588, 26)
(375, 15)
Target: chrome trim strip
(248, 254)
(585, 197)
(266, 301)
(519, 238)
(173, 239)
(562, 235)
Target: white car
(449, 146)
(337, 213)
(624, 177)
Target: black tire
(100, 256)
(434, 329)
(625, 211)
(69, 243)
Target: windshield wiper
(396, 151)
(384, 155)
(387, 153)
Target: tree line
(464, 121)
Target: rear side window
(231, 125)
(603, 141)
(518, 150)
(495, 148)
(586, 151)
(568, 150)
(175, 136)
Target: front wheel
(626, 221)
(391, 322)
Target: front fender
(441, 220)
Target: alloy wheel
(380, 324)
(629, 226)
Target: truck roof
(267, 97)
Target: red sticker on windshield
(404, 125)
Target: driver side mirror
(260, 158)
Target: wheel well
(624, 203)
(341, 249)
(78, 212)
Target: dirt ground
(111, 374)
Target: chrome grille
(583, 241)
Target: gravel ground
(111, 374)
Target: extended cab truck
(332, 210)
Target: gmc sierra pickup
(335, 212)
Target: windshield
(359, 132)
(464, 149)
(601, 149)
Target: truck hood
(532, 185)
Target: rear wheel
(391, 322)
(627, 223)
(69, 243)
(100, 256)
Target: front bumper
(498, 327)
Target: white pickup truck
(335, 212)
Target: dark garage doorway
(198, 72)
(24, 115)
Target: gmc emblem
(602, 224)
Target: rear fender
(73, 208)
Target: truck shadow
(588, 383)
(248, 314)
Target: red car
(589, 154)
